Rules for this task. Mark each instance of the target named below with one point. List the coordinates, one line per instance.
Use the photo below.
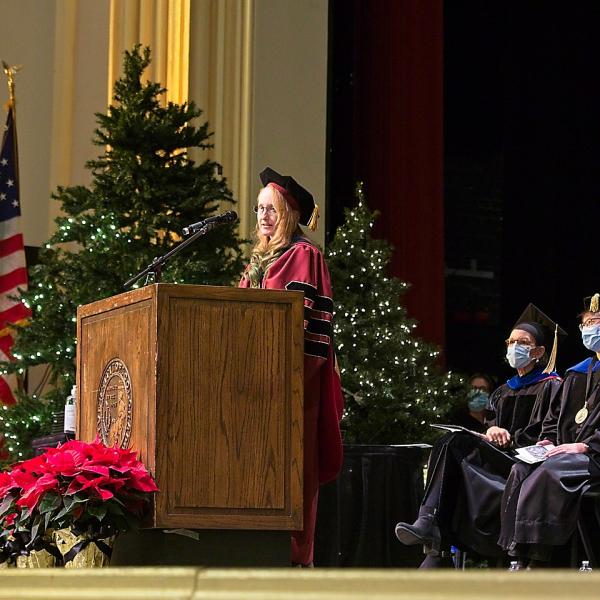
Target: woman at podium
(283, 258)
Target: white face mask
(517, 356)
(590, 336)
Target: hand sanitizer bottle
(70, 414)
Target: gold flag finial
(10, 75)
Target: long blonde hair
(285, 227)
(267, 249)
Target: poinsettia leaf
(6, 504)
(47, 518)
(99, 511)
(64, 510)
(49, 503)
(35, 529)
(69, 501)
(24, 517)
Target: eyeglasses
(521, 342)
(590, 322)
(261, 210)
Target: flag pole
(11, 105)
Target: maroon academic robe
(302, 267)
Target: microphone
(227, 217)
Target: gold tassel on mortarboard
(552, 360)
(312, 222)
(595, 303)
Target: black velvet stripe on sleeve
(319, 303)
(319, 327)
(318, 306)
(309, 291)
(324, 304)
(314, 348)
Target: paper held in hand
(533, 454)
(456, 428)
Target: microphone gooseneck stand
(155, 268)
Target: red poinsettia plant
(88, 486)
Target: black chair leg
(574, 550)
(586, 542)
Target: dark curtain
(552, 162)
(378, 487)
(398, 145)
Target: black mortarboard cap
(543, 329)
(309, 211)
(592, 303)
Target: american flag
(13, 271)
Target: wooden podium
(207, 384)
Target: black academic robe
(466, 474)
(541, 502)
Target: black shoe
(424, 531)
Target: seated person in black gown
(467, 472)
(541, 502)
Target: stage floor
(183, 583)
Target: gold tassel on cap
(552, 360)
(312, 222)
(595, 303)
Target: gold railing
(269, 584)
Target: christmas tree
(145, 189)
(392, 385)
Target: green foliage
(27, 419)
(145, 189)
(392, 385)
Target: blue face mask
(590, 336)
(517, 356)
(478, 400)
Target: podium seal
(115, 405)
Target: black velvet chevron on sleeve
(318, 317)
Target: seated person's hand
(497, 435)
(576, 448)
(544, 443)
